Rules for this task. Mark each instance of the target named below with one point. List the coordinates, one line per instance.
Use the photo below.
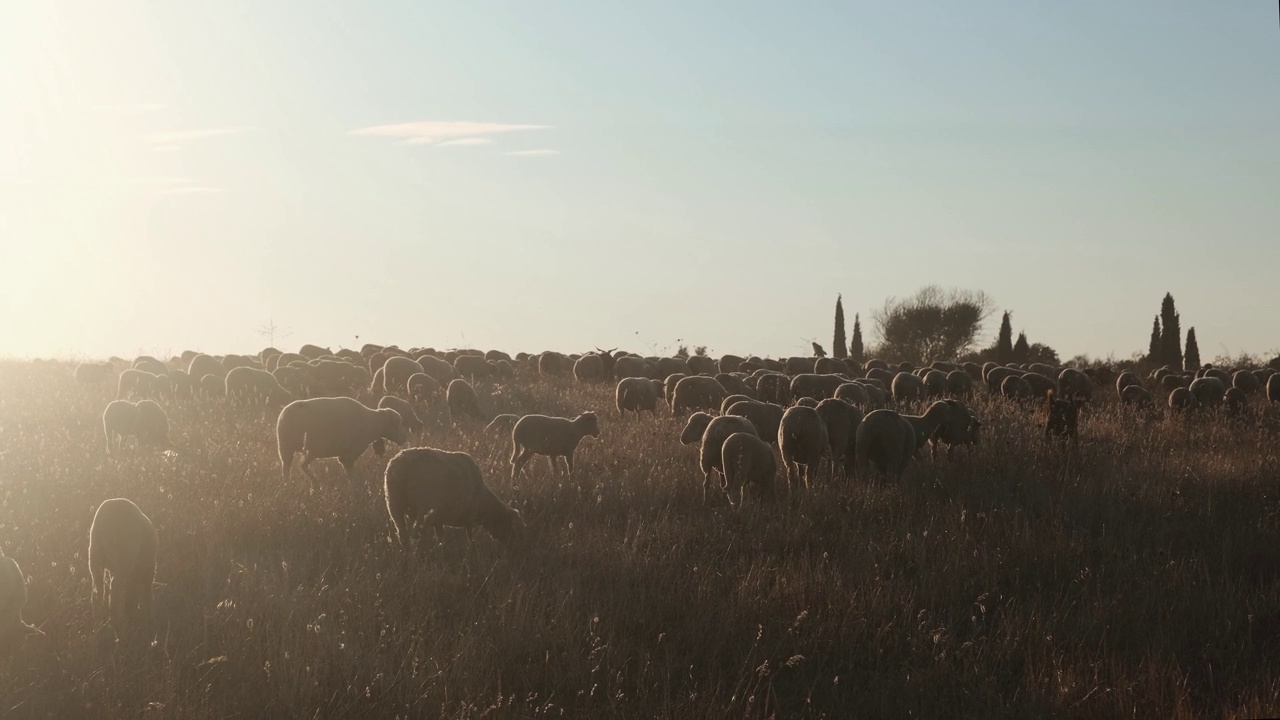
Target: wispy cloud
(131, 108)
(430, 132)
(533, 153)
(467, 141)
(186, 137)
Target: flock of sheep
(751, 418)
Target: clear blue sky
(569, 174)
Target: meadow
(1137, 577)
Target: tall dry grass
(1137, 579)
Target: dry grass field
(1139, 578)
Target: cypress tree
(855, 345)
(1153, 350)
(1021, 349)
(838, 343)
(1170, 334)
(1192, 359)
(1004, 343)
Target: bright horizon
(566, 175)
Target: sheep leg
(349, 465)
(119, 597)
(568, 461)
(518, 462)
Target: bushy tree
(1041, 353)
(838, 342)
(1153, 350)
(1191, 361)
(1004, 342)
(1170, 334)
(1021, 349)
(856, 350)
(933, 324)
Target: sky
(566, 175)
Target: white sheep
(697, 392)
(802, 438)
(637, 394)
(445, 489)
(141, 382)
(13, 598)
(334, 427)
(122, 542)
(408, 416)
(253, 385)
(884, 439)
(711, 432)
(144, 420)
(746, 460)
(421, 386)
(463, 402)
(766, 417)
(554, 437)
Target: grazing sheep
(875, 364)
(93, 374)
(1208, 390)
(672, 365)
(1040, 384)
(202, 365)
(1062, 417)
(959, 384)
(1273, 388)
(421, 386)
(735, 385)
(907, 387)
(1246, 381)
(669, 386)
(438, 369)
(958, 426)
(408, 416)
(553, 364)
(335, 377)
(140, 382)
(746, 460)
(554, 437)
(775, 388)
(473, 367)
(841, 421)
(1137, 396)
(712, 437)
(701, 365)
(637, 394)
(442, 489)
(589, 369)
(876, 396)
(253, 385)
(311, 352)
(813, 385)
(122, 542)
(152, 425)
(802, 438)
(150, 365)
(463, 402)
(694, 427)
(729, 363)
(935, 384)
(144, 420)
(697, 392)
(766, 417)
(885, 440)
(994, 378)
(1181, 400)
(627, 366)
(1126, 379)
(1015, 387)
(829, 366)
(501, 424)
(731, 399)
(13, 598)
(1235, 400)
(334, 427)
(1169, 381)
(1073, 383)
(853, 393)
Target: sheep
(1235, 400)
(746, 460)
(552, 364)
(1137, 396)
(122, 542)
(1126, 379)
(886, 440)
(463, 402)
(474, 367)
(1073, 383)
(774, 387)
(853, 393)
(702, 365)
(438, 369)
(296, 381)
(150, 365)
(334, 427)
(994, 378)
(766, 417)
(805, 402)
(959, 427)
(711, 432)
(1062, 417)
(335, 377)
(697, 392)
(589, 369)
(1181, 399)
(1015, 387)
(631, 366)
(734, 385)
(669, 386)
(445, 489)
(876, 397)
(729, 363)
(935, 383)
(144, 420)
(829, 366)
(1246, 381)
(1040, 384)
(1273, 388)
(875, 364)
(1208, 390)
(1169, 381)
(672, 365)
(637, 394)
(841, 421)
(13, 598)
(202, 365)
(408, 416)
(311, 352)
(251, 384)
(907, 387)
(501, 424)
(959, 384)
(93, 373)
(139, 382)
(802, 438)
(731, 399)
(554, 437)
(813, 385)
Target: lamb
(637, 394)
(710, 433)
(802, 438)
(813, 385)
(746, 460)
(1062, 417)
(408, 417)
(554, 437)
(445, 489)
(841, 420)
(13, 598)
(334, 427)
(697, 392)
(93, 373)
(907, 387)
(944, 422)
(1073, 383)
(463, 402)
(885, 440)
(766, 417)
(254, 385)
(122, 542)
(139, 382)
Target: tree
(1153, 351)
(933, 324)
(1192, 359)
(838, 342)
(1021, 349)
(270, 330)
(856, 351)
(1004, 342)
(1041, 353)
(1170, 334)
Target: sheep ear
(380, 447)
